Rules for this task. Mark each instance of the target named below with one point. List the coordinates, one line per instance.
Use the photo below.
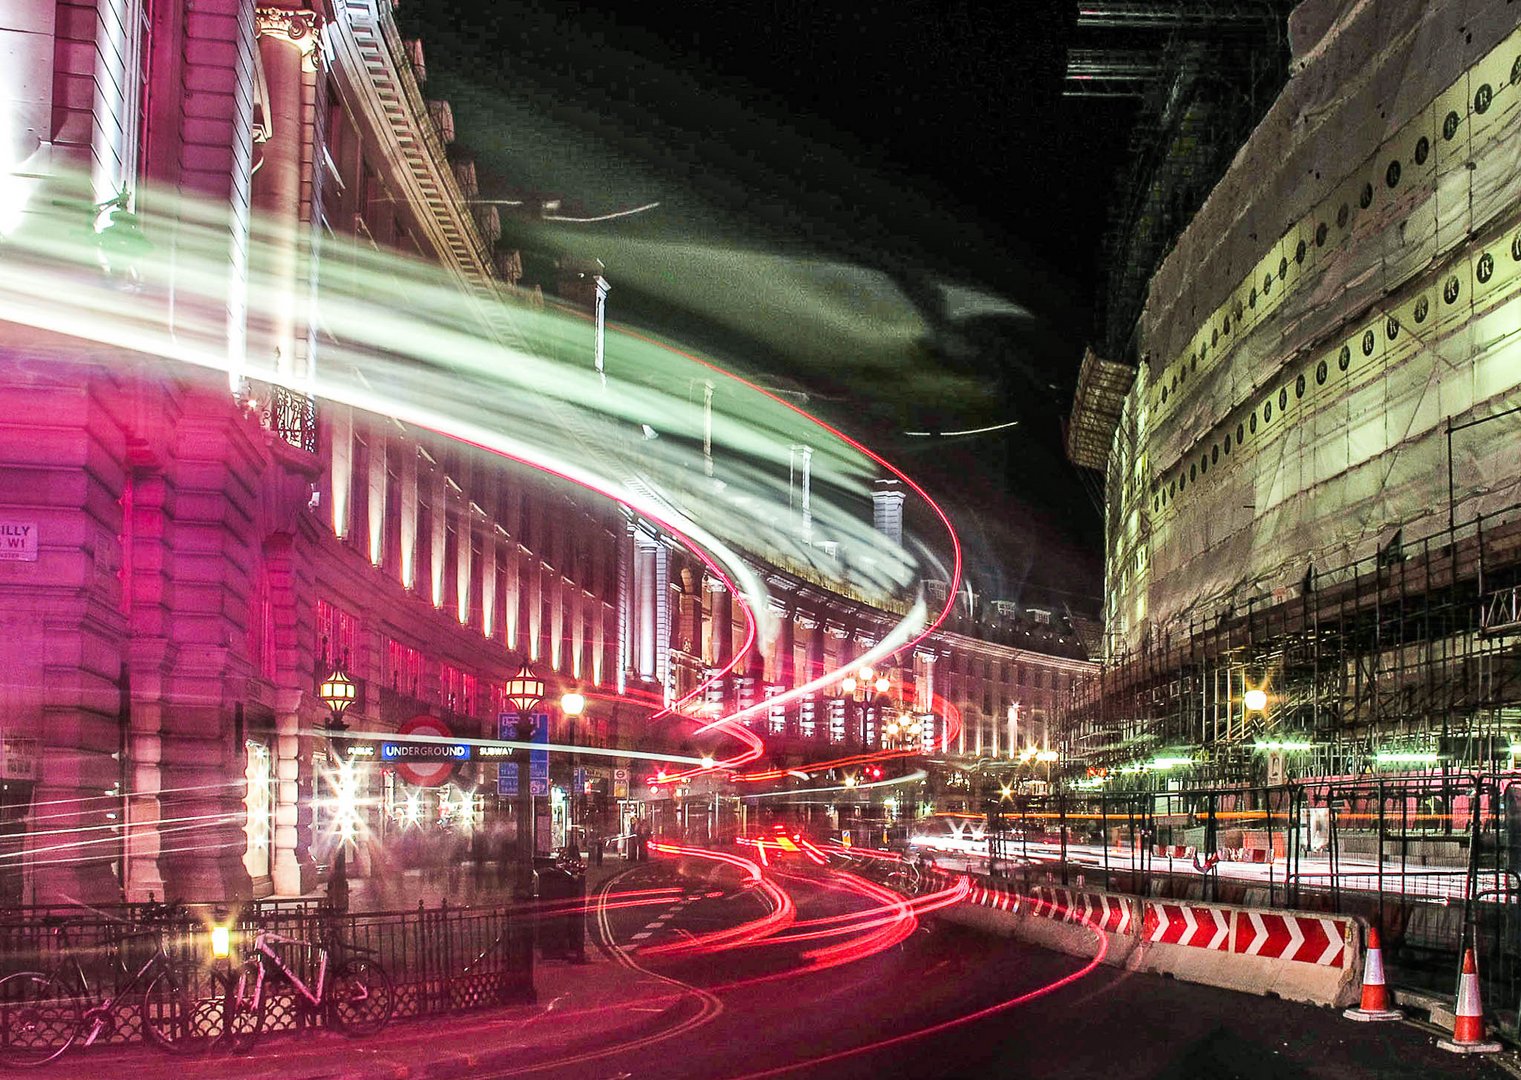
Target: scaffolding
(1409, 659)
(1202, 74)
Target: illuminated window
(403, 669)
(259, 807)
(337, 636)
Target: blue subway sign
(424, 751)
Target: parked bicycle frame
(353, 992)
(42, 1014)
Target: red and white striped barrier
(997, 897)
(1302, 956)
(1302, 938)
(1187, 924)
(1173, 851)
(1247, 855)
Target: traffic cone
(1468, 1027)
(1375, 1003)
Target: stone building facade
(196, 550)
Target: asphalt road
(952, 1002)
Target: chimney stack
(887, 510)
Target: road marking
(640, 936)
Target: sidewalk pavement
(582, 1009)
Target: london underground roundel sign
(425, 752)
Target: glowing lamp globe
(1255, 700)
(337, 692)
(882, 684)
(525, 690)
(573, 704)
(848, 685)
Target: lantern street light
(525, 690)
(338, 692)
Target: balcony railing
(293, 417)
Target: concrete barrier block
(1299, 956)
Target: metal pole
(526, 823)
(1452, 501)
(1379, 854)
(1061, 813)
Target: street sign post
(538, 760)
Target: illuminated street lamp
(1255, 700)
(572, 705)
(337, 692)
(525, 690)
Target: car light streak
(783, 910)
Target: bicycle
(354, 994)
(908, 878)
(43, 1014)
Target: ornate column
(786, 650)
(721, 623)
(150, 659)
(646, 604)
(288, 43)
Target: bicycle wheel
(174, 1018)
(39, 1018)
(359, 999)
(244, 1006)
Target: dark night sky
(910, 150)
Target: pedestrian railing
(441, 959)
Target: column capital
(303, 29)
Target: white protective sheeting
(1351, 286)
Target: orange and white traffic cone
(1468, 1027)
(1375, 1003)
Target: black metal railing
(440, 960)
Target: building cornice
(368, 61)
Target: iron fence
(440, 960)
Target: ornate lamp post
(338, 692)
(525, 690)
